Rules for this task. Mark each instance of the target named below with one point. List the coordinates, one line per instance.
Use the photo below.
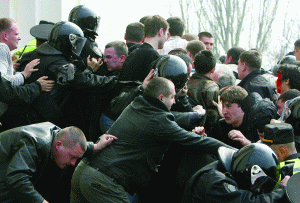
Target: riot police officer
(88, 21)
(59, 61)
(247, 175)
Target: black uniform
(214, 184)
(57, 106)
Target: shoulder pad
(46, 49)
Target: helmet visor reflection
(77, 43)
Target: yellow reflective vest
(30, 46)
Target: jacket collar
(250, 76)
(200, 76)
(156, 102)
(293, 156)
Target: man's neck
(237, 124)
(209, 75)
(152, 41)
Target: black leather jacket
(256, 82)
(25, 153)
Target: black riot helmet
(67, 38)
(173, 68)
(254, 167)
(287, 59)
(85, 18)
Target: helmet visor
(77, 43)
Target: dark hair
(143, 19)
(153, 24)
(190, 37)
(184, 57)
(235, 53)
(135, 32)
(204, 34)
(252, 58)
(205, 61)
(5, 24)
(177, 51)
(120, 47)
(158, 86)
(195, 46)
(176, 26)
(297, 44)
(222, 59)
(291, 72)
(288, 95)
(233, 94)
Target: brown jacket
(203, 90)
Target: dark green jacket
(145, 130)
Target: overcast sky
(117, 14)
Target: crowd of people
(171, 122)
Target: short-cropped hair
(235, 53)
(195, 46)
(153, 24)
(5, 24)
(158, 86)
(204, 34)
(204, 62)
(252, 58)
(120, 47)
(70, 136)
(176, 26)
(135, 32)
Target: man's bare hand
(238, 136)
(219, 106)
(16, 61)
(47, 85)
(148, 78)
(183, 91)
(29, 68)
(94, 63)
(285, 180)
(199, 130)
(200, 110)
(105, 140)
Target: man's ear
(190, 55)
(160, 97)
(123, 57)
(4, 36)
(125, 36)
(213, 70)
(287, 81)
(160, 32)
(283, 152)
(244, 67)
(58, 145)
